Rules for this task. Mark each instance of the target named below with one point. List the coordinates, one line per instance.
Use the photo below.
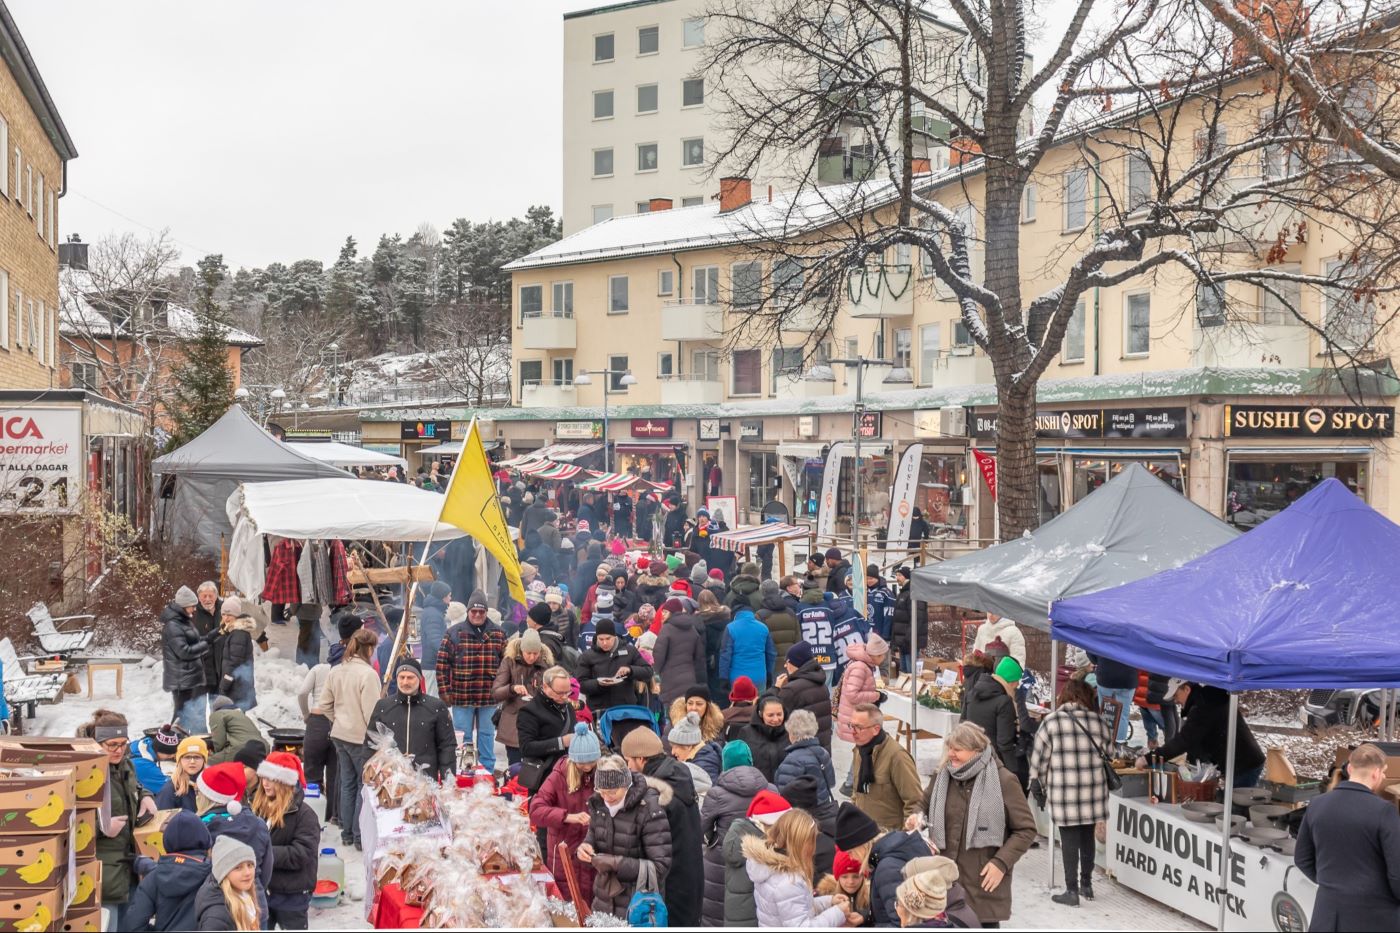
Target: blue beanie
(799, 654)
(584, 749)
(186, 833)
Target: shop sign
(578, 430)
(870, 424)
(41, 460)
(807, 426)
(1159, 853)
(659, 428)
(708, 429)
(750, 430)
(425, 430)
(1309, 421)
(1097, 422)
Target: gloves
(883, 696)
(1037, 790)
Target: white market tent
(348, 508)
(345, 455)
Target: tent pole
(1054, 692)
(917, 682)
(1231, 737)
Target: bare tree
(1226, 170)
(295, 355)
(469, 346)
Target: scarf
(867, 762)
(986, 812)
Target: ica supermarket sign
(41, 460)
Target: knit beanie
(193, 745)
(224, 784)
(766, 807)
(647, 641)
(166, 740)
(699, 691)
(347, 624)
(749, 569)
(769, 588)
(687, 731)
(833, 553)
(456, 612)
(185, 598)
(410, 662)
(1008, 670)
(799, 654)
(602, 572)
(801, 792)
(673, 561)
(717, 574)
(227, 855)
(736, 754)
(875, 646)
(540, 613)
(604, 627)
(853, 827)
(641, 743)
(925, 894)
(186, 832)
(220, 702)
(657, 568)
(698, 573)
(231, 606)
(872, 570)
(584, 748)
(530, 641)
(673, 606)
(252, 754)
(284, 768)
(477, 600)
(604, 599)
(554, 596)
(843, 864)
(439, 590)
(743, 691)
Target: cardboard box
(85, 834)
(39, 910)
(32, 862)
(88, 920)
(1278, 769)
(150, 839)
(84, 757)
(35, 801)
(87, 887)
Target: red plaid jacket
(467, 662)
(281, 584)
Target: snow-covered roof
(78, 317)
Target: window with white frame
(1350, 316)
(746, 372)
(41, 199)
(648, 40)
(903, 348)
(705, 285)
(746, 283)
(962, 337)
(787, 361)
(1139, 180)
(1028, 196)
(693, 151)
(1137, 324)
(531, 300)
(617, 294)
(643, 207)
(1076, 198)
(602, 162)
(41, 320)
(665, 364)
(903, 256)
(647, 98)
(17, 184)
(666, 282)
(619, 365)
(1210, 305)
(29, 189)
(4, 162)
(930, 349)
(4, 307)
(852, 347)
(1280, 300)
(19, 319)
(692, 201)
(562, 295)
(692, 92)
(693, 33)
(602, 212)
(603, 47)
(53, 214)
(602, 105)
(704, 364)
(646, 157)
(31, 326)
(1074, 336)
(563, 369)
(531, 373)
(788, 277)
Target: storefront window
(875, 480)
(1048, 477)
(764, 482)
(809, 490)
(1257, 491)
(942, 495)
(1091, 473)
(655, 467)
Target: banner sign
(826, 506)
(41, 460)
(902, 493)
(651, 427)
(1097, 423)
(751, 430)
(870, 424)
(988, 465)
(425, 430)
(1309, 421)
(578, 430)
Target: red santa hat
(224, 784)
(284, 768)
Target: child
(179, 792)
(226, 900)
(168, 891)
(296, 838)
(847, 878)
(780, 866)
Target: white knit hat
(228, 853)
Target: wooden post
(782, 559)
(223, 565)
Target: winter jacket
(902, 622)
(143, 761)
(536, 514)
(1110, 674)
(848, 629)
(432, 626)
(467, 662)
(548, 807)
(638, 831)
(988, 704)
(736, 717)
(818, 627)
(1067, 764)
(879, 601)
(349, 699)
(116, 853)
(229, 730)
(714, 623)
(1008, 632)
(249, 829)
(1202, 737)
(838, 578)
(167, 893)
(685, 881)
(739, 909)
(1020, 833)
(710, 759)
(565, 621)
(766, 744)
(778, 616)
(887, 860)
(808, 757)
(540, 727)
(806, 689)
(857, 687)
(183, 650)
(895, 790)
(1349, 845)
(743, 594)
(747, 651)
(652, 590)
(235, 663)
(207, 624)
(679, 656)
(167, 799)
(211, 910)
(595, 664)
(422, 728)
(512, 673)
(296, 845)
(784, 899)
(727, 801)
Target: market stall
(345, 455)
(745, 536)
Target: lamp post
(244, 392)
(585, 378)
(860, 363)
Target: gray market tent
(196, 480)
(1131, 527)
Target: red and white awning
(611, 482)
(547, 470)
(740, 538)
(567, 452)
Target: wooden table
(97, 666)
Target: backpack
(647, 908)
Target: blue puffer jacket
(710, 759)
(432, 626)
(167, 799)
(166, 894)
(887, 859)
(807, 757)
(250, 830)
(747, 650)
(143, 759)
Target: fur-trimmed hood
(243, 623)
(759, 852)
(512, 653)
(647, 579)
(664, 793)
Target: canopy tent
(449, 449)
(566, 452)
(1129, 528)
(544, 469)
(522, 460)
(611, 482)
(200, 476)
(344, 455)
(345, 508)
(769, 533)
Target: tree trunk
(1018, 485)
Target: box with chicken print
(30, 862)
(34, 801)
(87, 888)
(85, 834)
(84, 757)
(32, 913)
(86, 920)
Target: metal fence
(494, 395)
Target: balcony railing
(691, 389)
(692, 319)
(550, 330)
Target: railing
(533, 315)
(688, 377)
(526, 383)
(689, 302)
(495, 394)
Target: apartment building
(639, 126)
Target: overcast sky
(270, 129)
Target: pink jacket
(551, 803)
(857, 687)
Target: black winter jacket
(1203, 735)
(807, 689)
(250, 830)
(782, 623)
(595, 664)
(685, 882)
(989, 705)
(207, 624)
(714, 624)
(638, 831)
(211, 910)
(235, 663)
(887, 860)
(422, 727)
(679, 656)
(167, 893)
(296, 845)
(1114, 675)
(541, 725)
(766, 743)
(725, 802)
(901, 626)
(183, 650)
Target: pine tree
(202, 386)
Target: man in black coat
(610, 660)
(183, 651)
(1349, 844)
(685, 882)
(802, 685)
(545, 725)
(421, 724)
(208, 616)
(1203, 736)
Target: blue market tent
(1310, 598)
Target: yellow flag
(472, 505)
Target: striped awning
(557, 471)
(610, 482)
(520, 461)
(568, 452)
(744, 536)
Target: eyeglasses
(476, 612)
(857, 727)
(116, 745)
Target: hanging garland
(879, 276)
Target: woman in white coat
(999, 627)
(780, 866)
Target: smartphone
(144, 819)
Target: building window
(765, 483)
(84, 374)
(18, 183)
(1210, 305)
(602, 212)
(903, 347)
(4, 308)
(787, 361)
(602, 105)
(1076, 197)
(1137, 323)
(531, 373)
(746, 283)
(746, 372)
(31, 326)
(692, 92)
(4, 163)
(562, 294)
(903, 256)
(692, 202)
(693, 33)
(602, 163)
(648, 40)
(788, 277)
(563, 371)
(1281, 301)
(646, 157)
(617, 294)
(962, 337)
(666, 282)
(29, 189)
(693, 152)
(643, 207)
(531, 300)
(620, 367)
(19, 319)
(1349, 318)
(1074, 336)
(1257, 490)
(39, 196)
(665, 364)
(705, 285)
(646, 98)
(1028, 195)
(704, 364)
(930, 349)
(1139, 180)
(603, 47)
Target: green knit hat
(673, 561)
(735, 754)
(1008, 670)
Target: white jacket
(785, 900)
(1006, 630)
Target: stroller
(616, 722)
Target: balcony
(548, 330)
(804, 320)
(818, 382)
(881, 291)
(841, 165)
(957, 366)
(692, 319)
(690, 389)
(1254, 218)
(549, 394)
(1252, 344)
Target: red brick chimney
(921, 166)
(658, 204)
(961, 149)
(735, 192)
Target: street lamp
(860, 363)
(246, 391)
(585, 378)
